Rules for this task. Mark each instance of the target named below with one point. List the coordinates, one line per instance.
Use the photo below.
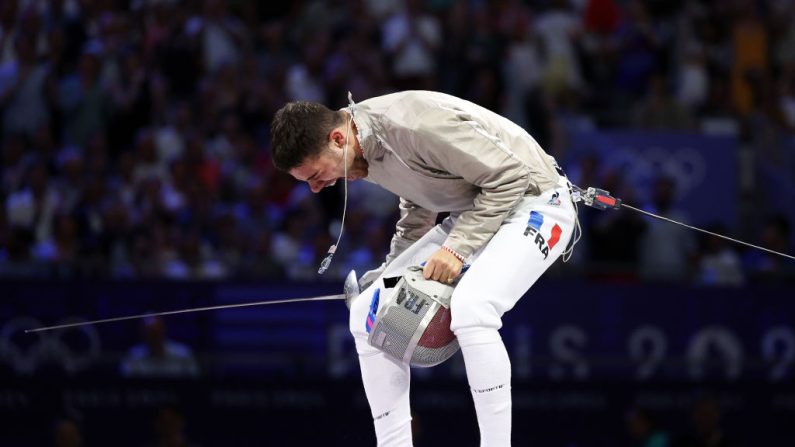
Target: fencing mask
(412, 323)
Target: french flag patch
(373, 310)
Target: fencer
(511, 216)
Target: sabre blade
(183, 311)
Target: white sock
(386, 383)
(489, 374)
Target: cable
(708, 232)
(324, 265)
(602, 200)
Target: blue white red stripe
(373, 310)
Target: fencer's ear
(337, 136)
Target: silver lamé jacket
(439, 153)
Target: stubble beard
(358, 168)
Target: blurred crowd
(135, 133)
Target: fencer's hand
(442, 266)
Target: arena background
(136, 177)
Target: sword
(593, 197)
(350, 287)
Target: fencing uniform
(511, 217)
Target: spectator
(692, 78)
(34, 207)
(130, 99)
(155, 116)
(659, 110)
(169, 428)
(719, 263)
(8, 17)
(148, 165)
(456, 50)
(750, 42)
(640, 42)
(157, 355)
(84, 101)
(559, 29)
(411, 37)
(26, 88)
(62, 246)
(305, 79)
(67, 433)
(72, 180)
(706, 421)
(259, 262)
(614, 237)
(644, 431)
(223, 35)
(522, 69)
(776, 235)
(666, 250)
(16, 161)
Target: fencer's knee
(363, 347)
(466, 312)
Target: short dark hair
(299, 131)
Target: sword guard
(351, 288)
(597, 198)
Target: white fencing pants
(530, 239)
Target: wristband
(454, 253)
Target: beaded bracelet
(455, 253)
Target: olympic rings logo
(685, 165)
(25, 353)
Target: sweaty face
(322, 170)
